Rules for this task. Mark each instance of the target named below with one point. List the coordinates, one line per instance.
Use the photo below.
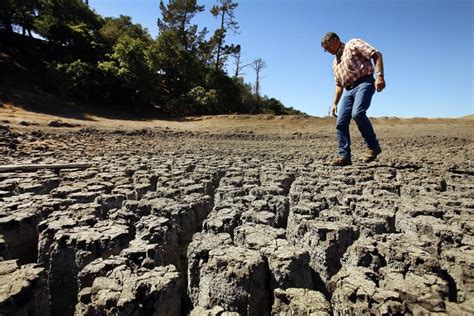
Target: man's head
(331, 43)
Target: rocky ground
(170, 221)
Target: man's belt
(359, 81)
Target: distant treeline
(114, 61)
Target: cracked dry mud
(173, 222)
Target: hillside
(39, 69)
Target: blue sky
(427, 46)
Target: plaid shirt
(353, 62)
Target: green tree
(113, 28)
(20, 13)
(24, 14)
(273, 106)
(200, 100)
(6, 15)
(228, 90)
(71, 25)
(224, 10)
(130, 71)
(77, 79)
(176, 17)
(177, 48)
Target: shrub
(203, 101)
(77, 79)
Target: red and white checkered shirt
(353, 62)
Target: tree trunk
(221, 35)
(237, 65)
(257, 85)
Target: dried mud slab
(298, 301)
(236, 223)
(118, 288)
(23, 289)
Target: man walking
(354, 71)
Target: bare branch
(258, 65)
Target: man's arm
(379, 81)
(337, 97)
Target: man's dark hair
(329, 36)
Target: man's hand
(337, 97)
(379, 83)
(334, 109)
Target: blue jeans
(354, 104)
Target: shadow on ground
(33, 99)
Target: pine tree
(176, 17)
(178, 46)
(225, 11)
(70, 24)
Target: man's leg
(342, 125)
(362, 99)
